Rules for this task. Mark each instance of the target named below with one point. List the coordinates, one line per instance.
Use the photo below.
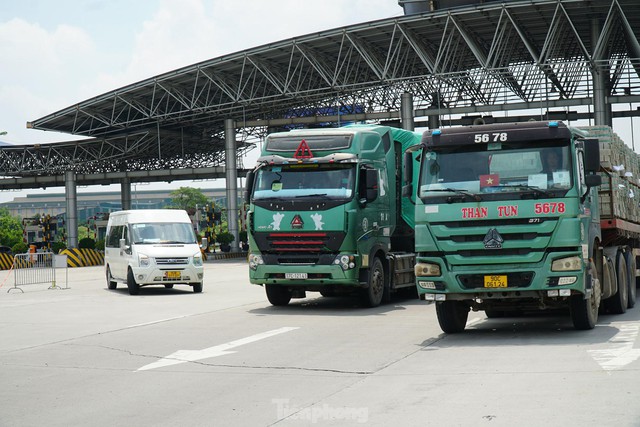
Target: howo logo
(493, 239)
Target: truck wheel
(452, 316)
(494, 314)
(584, 311)
(278, 295)
(134, 288)
(111, 284)
(617, 304)
(631, 277)
(372, 295)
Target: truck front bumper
(500, 281)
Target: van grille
(172, 261)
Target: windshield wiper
(536, 190)
(312, 195)
(464, 193)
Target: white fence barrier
(37, 267)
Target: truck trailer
(525, 216)
(327, 215)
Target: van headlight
(197, 259)
(571, 263)
(143, 260)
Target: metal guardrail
(40, 267)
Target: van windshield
(162, 232)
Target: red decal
(474, 213)
(303, 151)
(508, 210)
(490, 180)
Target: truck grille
(299, 247)
(462, 242)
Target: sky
(56, 53)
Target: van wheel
(197, 287)
(169, 286)
(134, 288)
(111, 284)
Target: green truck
(326, 214)
(525, 216)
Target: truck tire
(372, 295)
(631, 277)
(617, 303)
(134, 288)
(452, 316)
(584, 311)
(111, 284)
(278, 295)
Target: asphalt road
(168, 357)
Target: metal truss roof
(494, 56)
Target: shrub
(57, 247)
(19, 248)
(86, 243)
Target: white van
(152, 247)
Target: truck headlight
(571, 263)
(197, 259)
(143, 260)
(255, 260)
(423, 269)
(345, 261)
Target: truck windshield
(294, 181)
(162, 232)
(541, 168)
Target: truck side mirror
(591, 156)
(371, 180)
(248, 188)
(593, 180)
(407, 174)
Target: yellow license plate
(495, 281)
(173, 275)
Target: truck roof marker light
(553, 124)
(436, 132)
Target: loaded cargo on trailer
(327, 215)
(508, 219)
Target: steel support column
(125, 194)
(406, 111)
(72, 209)
(232, 181)
(601, 110)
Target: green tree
(10, 228)
(187, 198)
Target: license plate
(173, 275)
(295, 275)
(495, 281)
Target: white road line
(157, 321)
(621, 351)
(183, 356)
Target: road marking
(183, 356)
(622, 352)
(153, 322)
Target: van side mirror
(122, 244)
(591, 156)
(204, 244)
